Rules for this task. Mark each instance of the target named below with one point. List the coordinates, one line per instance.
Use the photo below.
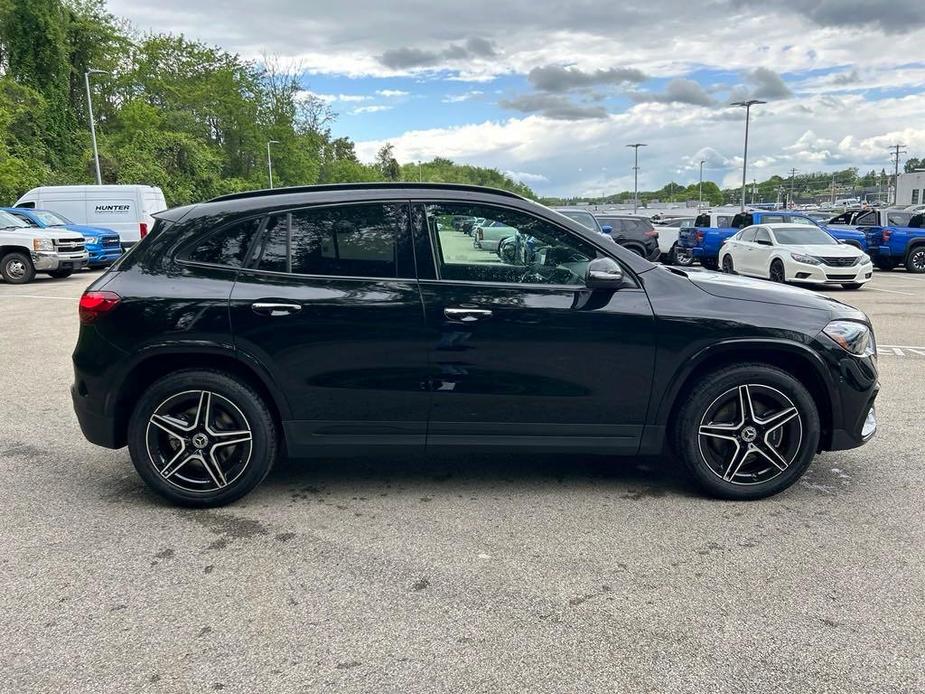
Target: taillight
(95, 304)
(699, 236)
(143, 229)
(885, 234)
(479, 235)
(651, 234)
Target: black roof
(404, 185)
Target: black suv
(357, 318)
(637, 234)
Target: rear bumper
(879, 251)
(97, 428)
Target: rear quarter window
(227, 246)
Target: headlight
(42, 245)
(852, 337)
(808, 259)
(90, 239)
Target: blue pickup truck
(711, 229)
(894, 245)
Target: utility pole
(700, 193)
(747, 105)
(96, 154)
(793, 173)
(636, 146)
(270, 161)
(754, 189)
(895, 157)
(833, 189)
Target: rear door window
(747, 235)
(762, 236)
(364, 240)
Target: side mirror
(607, 229)
(604, 273)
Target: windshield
(803, 236)
(805, 221)
(8, 220)
(50, 218)
(586, 219)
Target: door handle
(466, 315)
(269, 308)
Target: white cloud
(526, 177)
(373, 108)
(465, 96)
(391, 93)
(331, 98)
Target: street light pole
(636, 146)
(700, 193)
(270, 160)
(96, 154)
(748, 106)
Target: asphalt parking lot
(460, 574)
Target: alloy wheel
(750, 434)
(199, 441)
(917, 260)
(777, 272)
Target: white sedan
(795, 253)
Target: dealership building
(910, 188)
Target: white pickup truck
(26, 250)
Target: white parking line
(889, 291)
(900, 351)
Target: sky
(551, 92)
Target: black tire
(680, 257)
(852, 285)
(885, 265)
(191, 482)
(706, 456)
(915, 260)
(17, 268)
(728, 265)
(709, 263)
(60, 274)
(776, 272)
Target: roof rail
(404, 185)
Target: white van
(127, 210)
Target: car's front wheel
(776, 272)
(16, 268)
(747, 432)
(201, 438)
(728, 266)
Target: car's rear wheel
(680, 256)
(915, 260)
(709, 263)
(201, 438)
(885, 265)
(17, 268)
(747, 432)
(728, 265)
(776, 273)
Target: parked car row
(43, 231)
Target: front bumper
(103, 256)
(49, 261)
(823, 274)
